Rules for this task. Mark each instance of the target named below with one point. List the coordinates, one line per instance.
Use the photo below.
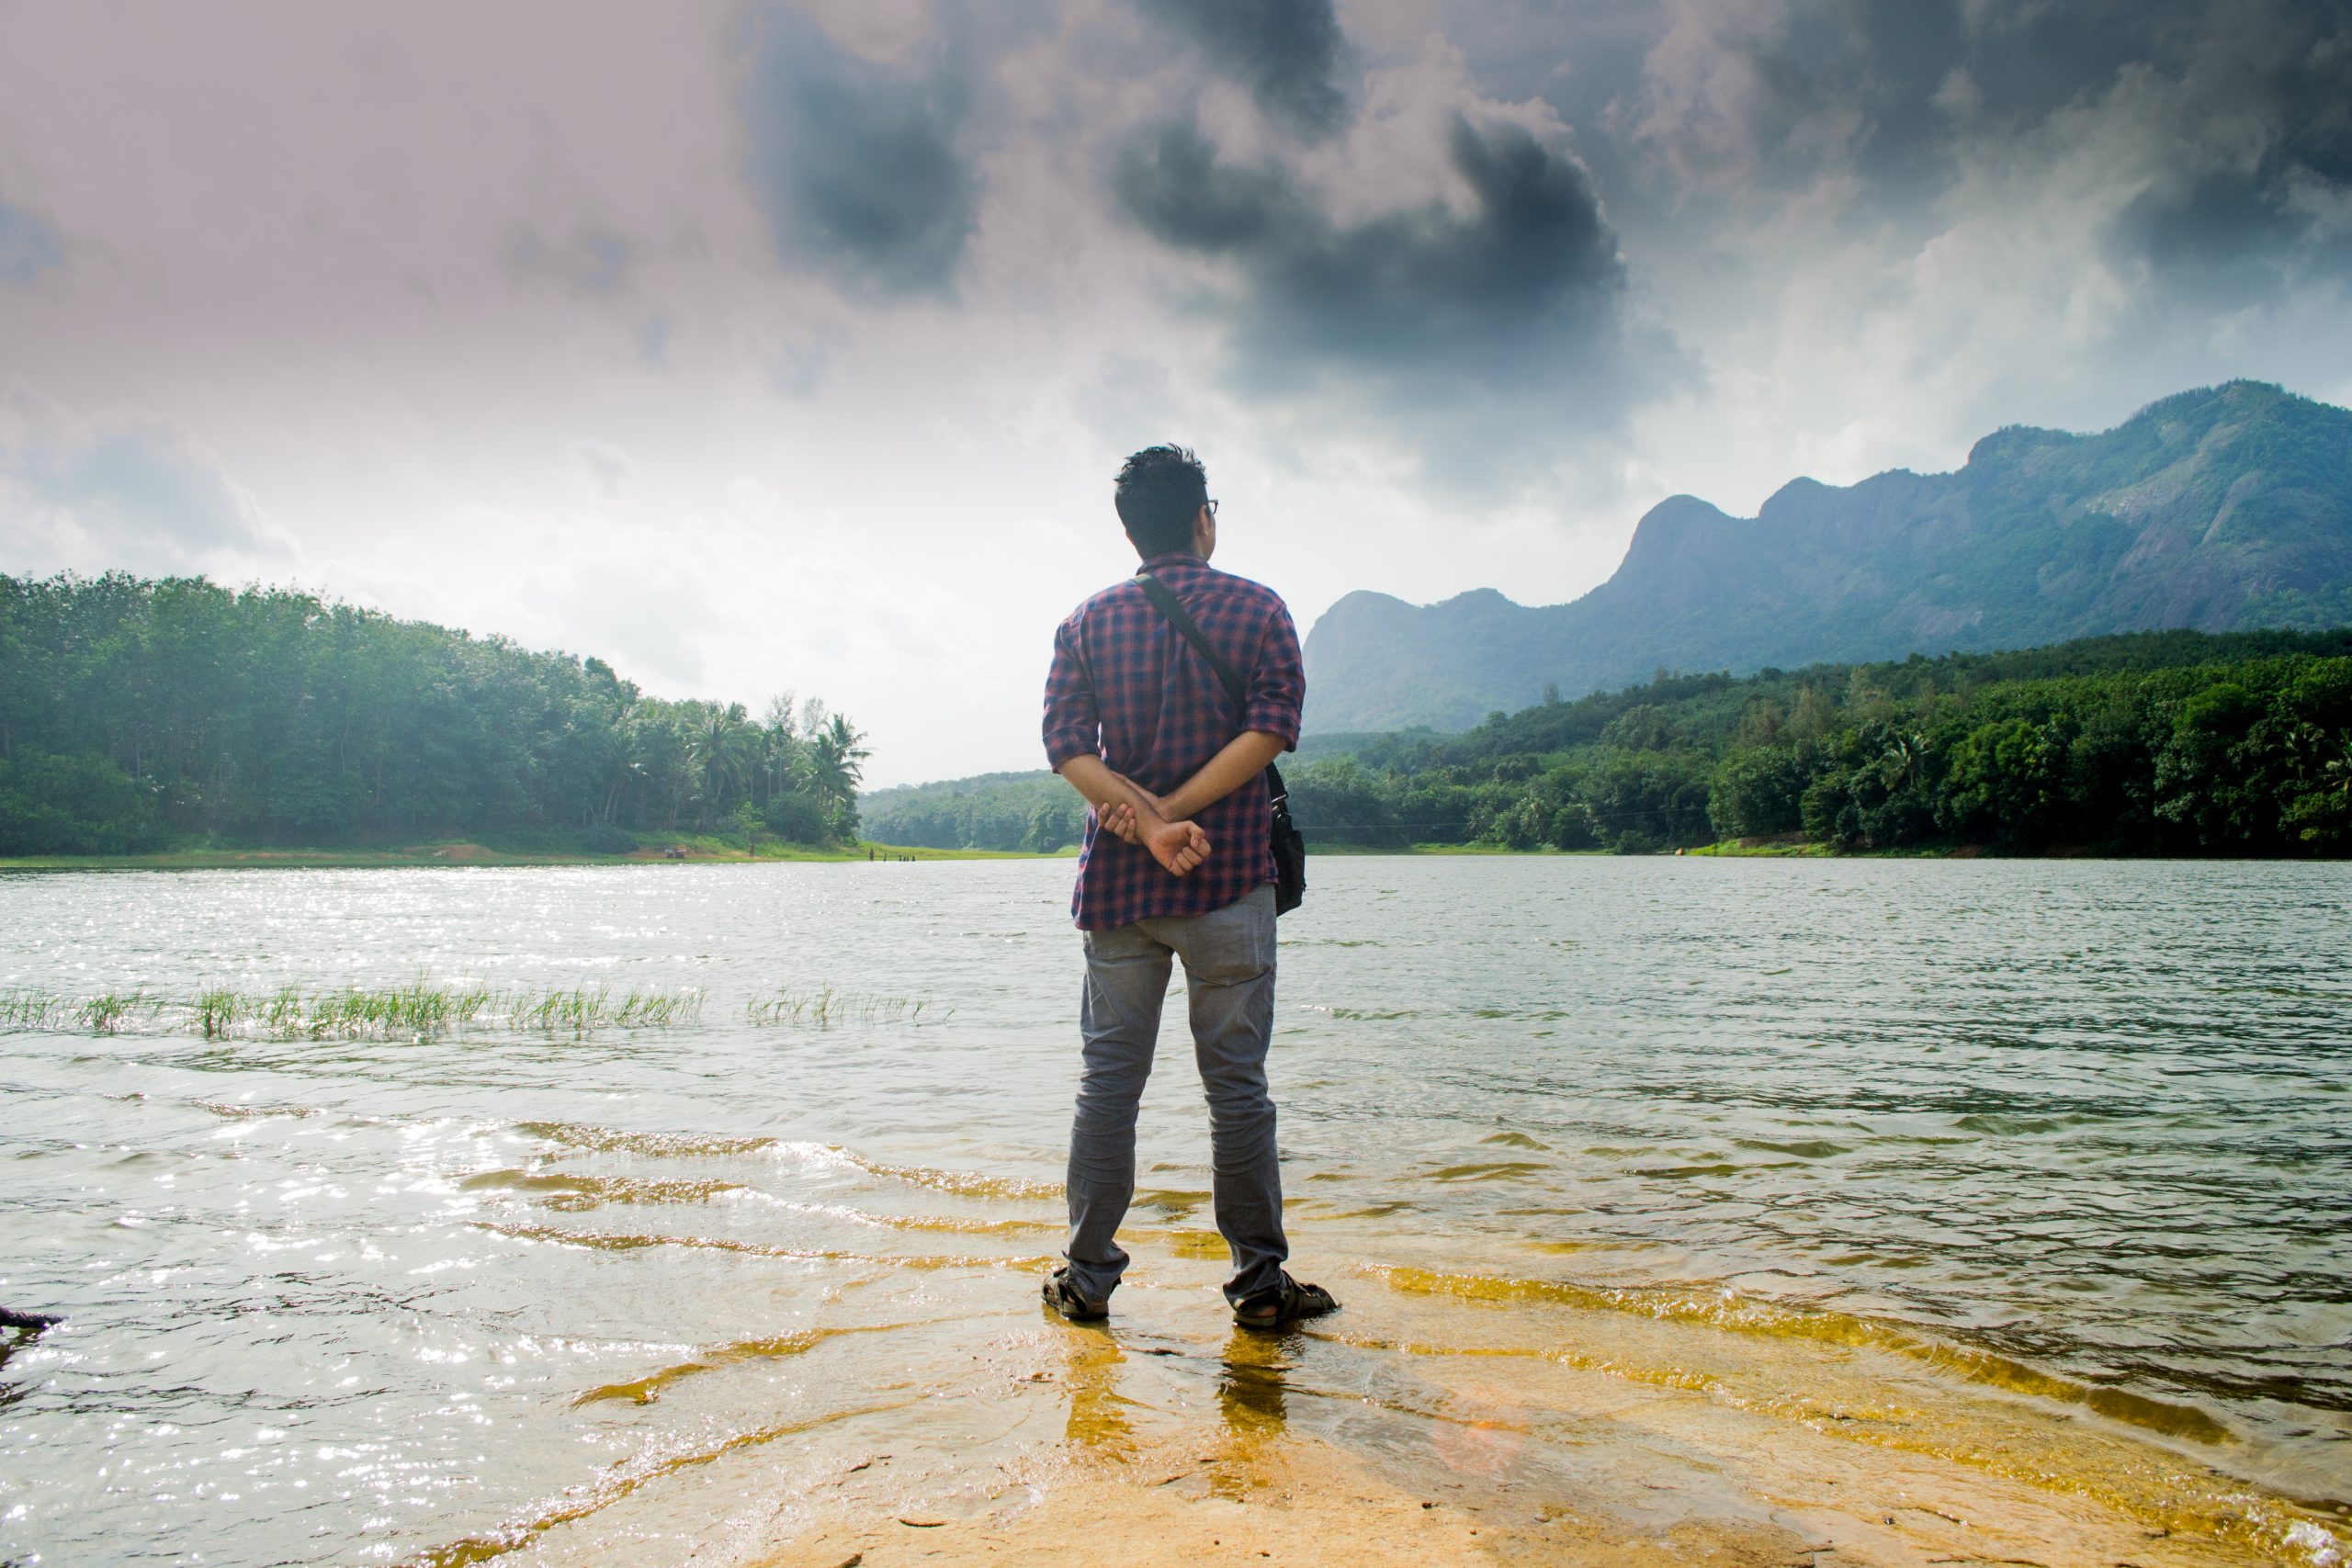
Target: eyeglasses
(1212, 506)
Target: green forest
(2163, 743)
(1036, 812)
(139, 715)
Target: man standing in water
(1178, 863)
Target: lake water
(2046, 1164)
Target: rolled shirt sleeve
(1073, 724)
(1278, 684)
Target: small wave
(690, 1146)
(647, 1389)
(1810, 1148)
(620, 1241)
(948, 1224)
(1491, 1170)
(253, 1112)
(953, 1226)
(2009, 1126)
(964, 1183)
(654, 1145)
(574, 1192)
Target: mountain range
(2224, 509)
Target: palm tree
(780, 751)
(1903, 760)
(606, 750)
(836, 762)
(726, 743)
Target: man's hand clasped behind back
(1178, 846)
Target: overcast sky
(767, 346)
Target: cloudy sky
(793, 345)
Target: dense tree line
(136, 713)
(2157, 743)
(2166, 743)
(1033, 811)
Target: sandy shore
(1249, 1457)
(1421, 1425)
(1306, 1502)
(1441, 1417)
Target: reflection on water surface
(2017, 1162)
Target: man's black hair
(1161, 490)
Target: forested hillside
(2156, 743)
(2161, 743)
(2219, 510)
(1033, 811)
(138, 714)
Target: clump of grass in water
(52, 1012)
(105, 1014)
(27, 1009)
(419, 1011)
(218, 1009)
(826, 1007)
(595, 1007)
(424, 1012)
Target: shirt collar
(1171, 558)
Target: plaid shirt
(1127, 686)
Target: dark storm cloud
(1482, 338)
(1174, 184)
(2249, 97)
(1286, 52)
(1734, 93)
(2253, 97)
(28, 245)
(2265, 94)
(1497, 294)
(856, 164)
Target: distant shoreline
(698, 851)
(701, 850)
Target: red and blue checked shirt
(1130, 688)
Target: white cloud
(88, 494)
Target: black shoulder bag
(1290, 849)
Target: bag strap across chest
(1164, 598)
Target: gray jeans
(1228, 957)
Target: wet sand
(1606, 1472)
(1460, 1425)
(1306, 1503)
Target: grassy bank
(691, 848)
(1780, 845)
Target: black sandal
(1065, 1299)
(1286, 1303)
